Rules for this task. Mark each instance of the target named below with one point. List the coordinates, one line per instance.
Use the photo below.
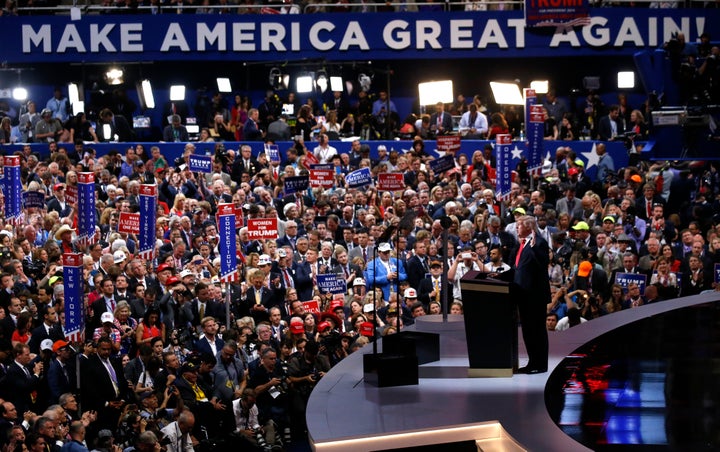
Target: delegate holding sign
(391, 181)
(332, 283)
(359, 178)
(200, 163)
(262, 228)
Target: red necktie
(517, 257)
(649, 209)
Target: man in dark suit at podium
(532, 292)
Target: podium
(490, 325)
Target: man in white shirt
(323, 151)
(467, 260)
(177, 434)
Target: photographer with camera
(305, 371)
(272, 395)
(249, 434)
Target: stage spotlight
(540, 86)
(626, 80)
(114, 76)
(20, 94)
(336, 84)
(76, 97)
(433, 92)
(145, 94)
(177, 93)
(304, 83)
(78, 107)
(506, 93)
(223, 84)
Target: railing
(290, 8)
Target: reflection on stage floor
(653, 384)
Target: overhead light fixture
(336, 84)
(177, 93)
(20, 94)
(304, 83)
(223, 84)
(540, 86)
(433, 92)
(114, 76)
(626, 80)
(506, 93)
(145, 94)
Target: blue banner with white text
(86, 208)
(250, 37)
(146, 234)
(228, 244)
(73, 283)
(505, 165)
(12, 188)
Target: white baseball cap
(107, 317)
(46, 344)
(410, 293)
(119, 256)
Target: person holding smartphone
(467, 260)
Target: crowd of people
(175, 359)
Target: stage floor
(643, 379)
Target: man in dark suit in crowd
(104, 386)
(21, 382)
(120, 129)
(441, 121)
(210, 343)
(258, 299)
(417, 266)
(48, 330)
(61, 374)
(610, 126)
(530, 259)
(106, 303)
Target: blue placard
(716, 273)
(624, 279)
(33, 199)
(359, 178)
(200, 163)
(273, 152)
(332, 283)
(296, 184)
(442, 164)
